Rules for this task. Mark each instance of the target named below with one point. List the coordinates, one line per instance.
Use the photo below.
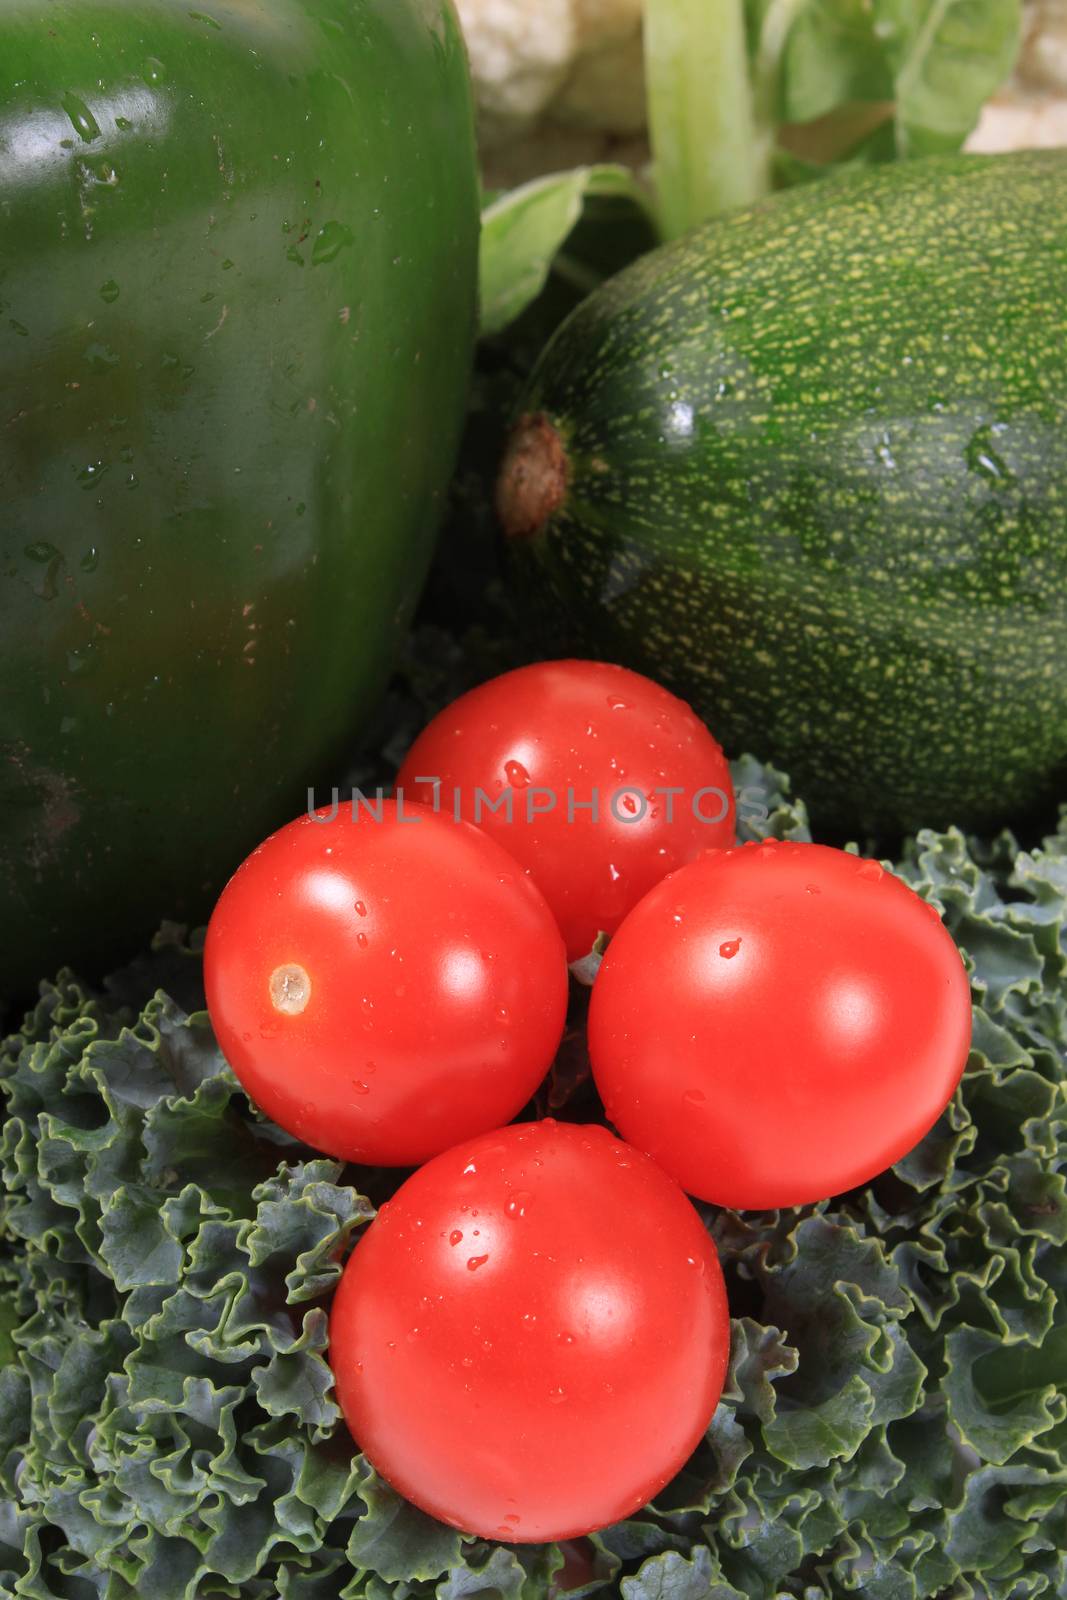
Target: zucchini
(808, 466)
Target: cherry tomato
(385, 987)
(778, 1023)
(526, 755)
(531, 1337)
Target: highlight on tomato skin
(547, 742)
(532, 1336)
(779, 1023)
(385, 983)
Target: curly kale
(894, 1425)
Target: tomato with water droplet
(299, 967)
(776, 1026)
(556, 1386)
(597, 780)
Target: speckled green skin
(818, 484)
(238, 262)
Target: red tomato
(544, 741)
(531, 1337)
(779, 1023)
(383, 988)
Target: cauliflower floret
(606, 86)
(520, 55)
(571, 61)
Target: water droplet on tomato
(812, 888)
(565, 1337)
(360, 1087)
(516, 774)
(619, 705)
(694, 1097)
(556, 1395)
(516, 1206)
(871, 872)
(361, 910)
(361, 940)
(729, 948)
(469, 1168)
(455, 1237)
(474, 1262)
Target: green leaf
(815, 1434)
(395, 1539)
(501, 1577)
(524, 231)
(758, 1550)
(832, 57)
(1003, 1397)
(947, 57)
(673, 1577)
(985, 1538)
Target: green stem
(708, 151)
(778, 21)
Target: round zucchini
(808, 466)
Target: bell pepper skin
(238, 261)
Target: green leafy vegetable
(894, 1424)
(748, 94)
(946, 59)
(524, 233)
